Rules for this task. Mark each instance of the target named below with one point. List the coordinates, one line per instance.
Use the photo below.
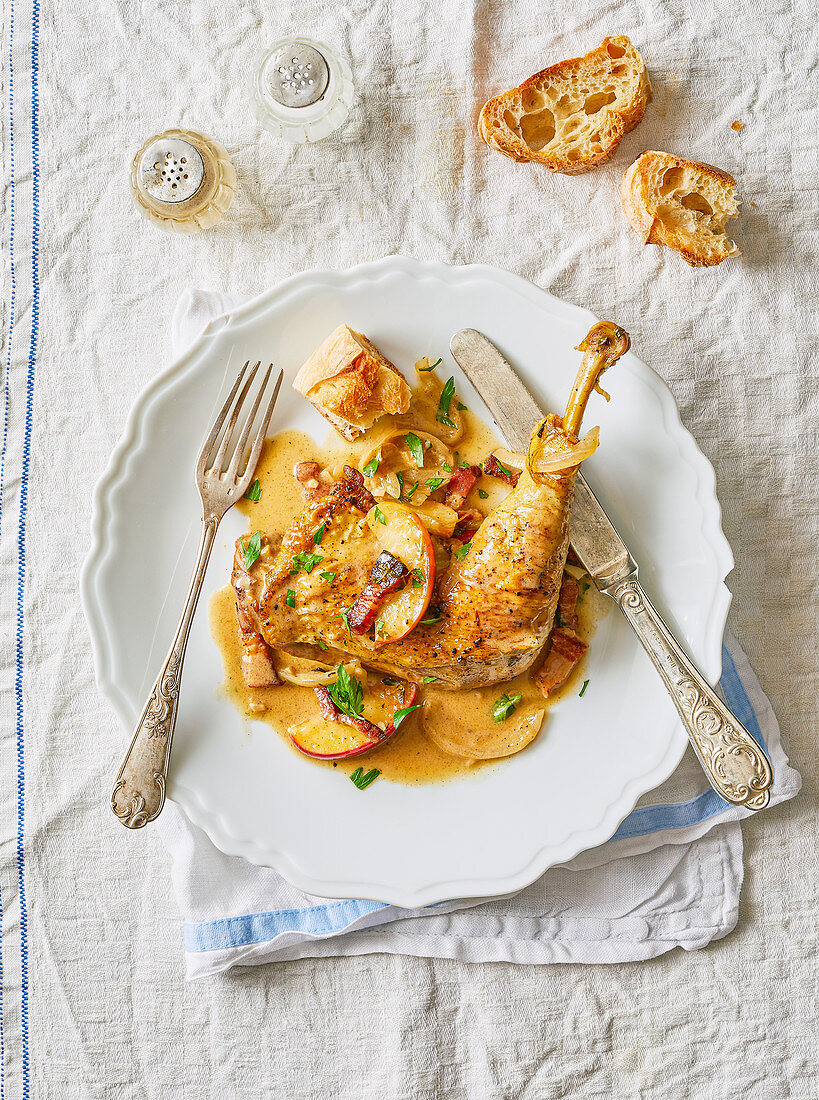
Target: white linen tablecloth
(94, 1003)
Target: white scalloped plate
(492, 833)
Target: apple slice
(333, 735)
(400, 532)
(447, 725)
(323, 739)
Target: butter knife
(736, 765)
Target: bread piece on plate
(682, 204)
(572, 116)
(351, 383)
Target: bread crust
(351, 383)
(526, 112)
(659, 217)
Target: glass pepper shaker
(182, 181)
(302, 90)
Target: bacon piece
(315, 482)
(330, 711)
(257, 664)
(351, 490)
(460, 485)
(386, 576)
(492, 467)
(467, 526)
(565, 651)
(567, 603)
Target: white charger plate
(496, 831)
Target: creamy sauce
(409, 757)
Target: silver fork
(139, 789)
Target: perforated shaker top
(297, 75)
(171, 170)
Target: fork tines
(224, 449)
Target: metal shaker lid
(171, 170)
(297, 75)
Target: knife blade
(735, 764)
(601, 550)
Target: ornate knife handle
(734, 762)
(139, 789)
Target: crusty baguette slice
(571, 116)
(351, 383)
(682, 204)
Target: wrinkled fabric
(94, 999)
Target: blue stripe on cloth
(651, 819)
(21, 542)
(253, 928)
(316, 920)
(6, 412)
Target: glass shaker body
(182, 181)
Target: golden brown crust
(682, 204)
(571, 116)
(351, 383)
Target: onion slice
(552, 461)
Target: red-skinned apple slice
(332, 735)
(323, 739)
(401, 532)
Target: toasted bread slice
(351, 383)
(572, 116)
(682, 204)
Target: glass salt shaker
(182, 181)
(302, 90)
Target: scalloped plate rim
(210, 818)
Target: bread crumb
(737, 125)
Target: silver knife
(736, 765)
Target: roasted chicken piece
(486, 615)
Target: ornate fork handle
(734, 762)
(139, 789)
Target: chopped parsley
(344, 616)
(432, 366)
(585, 685)
(290, 598)
(320, 643)
(503, 707)
(417, 578)
(412, 490)
(400, 477)
(347, 693)
(253, 548)
(363, 781)
(304, 562)
(401, 714)
(379, 516)
(447, 467)
(254, 493)
(445, 400)
(433, 617)
(328, 576)
(416, 448)
(433, 483)
(463, 551)
(482, 493)
(372, 465)
(461, 407)
(318, 535)
(428, 679)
